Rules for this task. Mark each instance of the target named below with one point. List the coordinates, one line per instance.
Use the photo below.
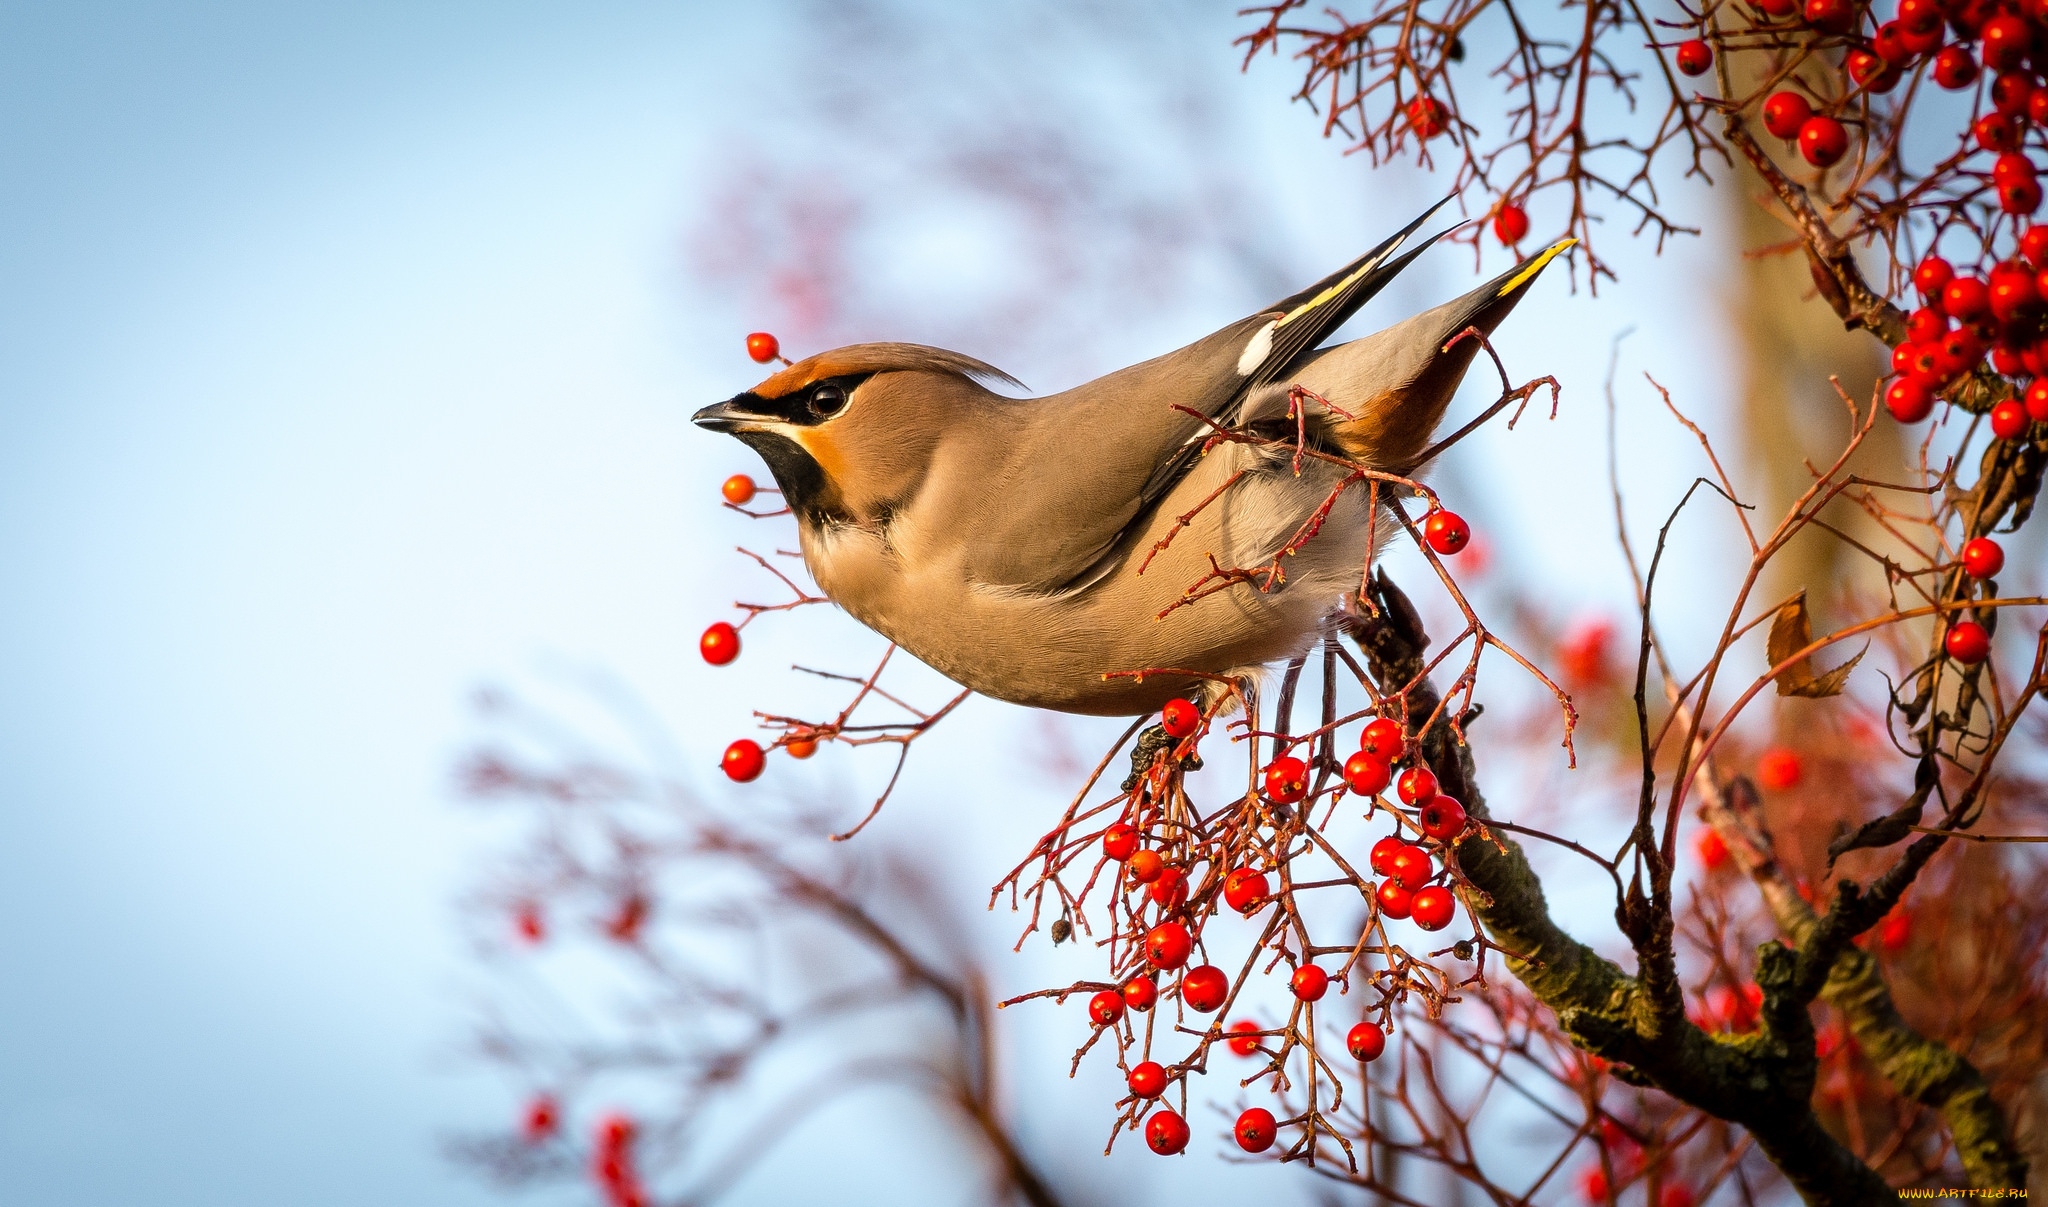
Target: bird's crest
(858, 359)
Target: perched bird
(1000, 540)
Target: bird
(1034, 549)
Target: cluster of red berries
(1625, 1155)
(1960, 317)
(612, 1163)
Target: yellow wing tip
(1535, 266)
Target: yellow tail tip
(1535, 266)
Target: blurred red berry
(1167, 945)
(2009, 419)
(1675, 1194)
(1180, 718)
(1446, 532)
(1139, 993)
(1510, 225)
(1146, 1079)
(1779, 769)
(2011, 93)
(1365, 1042)
(1204, 988)
(2034, 246)
(1245, 890)
(1711, 848)
(1416, 786)
(743, 761)
(1831, 16)
(1823, 141)
(1366, 775)
(1954, 69)
(801, 748)
(1106, 1007)
(1997, 132)
(528, 921)
(1583, 652)
(1256, 1130)
(1144, 866)
(1428, 117)
(1896, 930)
(1395, 901)
(1983, 557)
(625, 924)
(1926, 325)
(542, 1118)
(1694, 57)
(1968, 643)
(1871, 71)
(738, 490)
(720, 644)
(1890, 43)
(2037, 401)
(1383, 738)
(1383, 854)
(1410, 867)
(1920, 14)
(763, 347)
(1170, 891)
(1921, 41)
(1593, 1185)
(1244, 1037)
(1932, 275)
(2020, 197)
(1286, 779)
(1309, 983)
(1120, 841)
(1166, 1133)
(1443, 818)
(2013, 294)
(1433, 907)
(1785, 112)
(1965, 299)
(2007, 39)
(614, 1132)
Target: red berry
(625, 925)
(1256, 1130)
(1286, 779)
(2012, 168)
(1926, 325)
(743, 760)
(1831, 16)
(1896, 930)
(1711, 848)
(1204, 988)
(1593, 1185)
(1890, 43)
(1902, 356)
(1997, 132)
(1309, 983)
(720, 644)
(1383, 738)
(1446, 532)
(2011, 92)
(1920, 41)
(1365, 1042)
(1871, 71)
(1823, 141)
(1144, 866)
(1920, 14)
(1179, 718)
(1383, 854)
(2006, 42)
(1926, 364)
(1139, 993)
(1510, 225)
(2008, 361)
(1106, 1007)
(1417, 786)
(801, 748)
(1146, 1079)
(1428, 117)
(1410, 868)
(1983, 557)
(1932, 275)
(1694, 57)
(542, 1118)
(529, 924)
(738, 490)
(1120, 841)
(1909, 400)
(1785, 112)
(2034, 246)
(1965, 299)
(2037, 106)
(1433, 907)
(1245, 890)
(1959, 352)
(763, 347)
(1954, 69)
(2037, 400)
(1244, 1037)
(2009, 419)
(2013, 294)
(1968, 643)
(1170, 891)
(1443, 818)
(1779, 769)
(1394, 900)
(614, 1132)
(1366, 775)
(1166, 1133)
(1167, 945)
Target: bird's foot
(1153, 740)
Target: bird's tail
(1398, 382)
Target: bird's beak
(732, 415)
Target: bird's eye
(827, 400)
